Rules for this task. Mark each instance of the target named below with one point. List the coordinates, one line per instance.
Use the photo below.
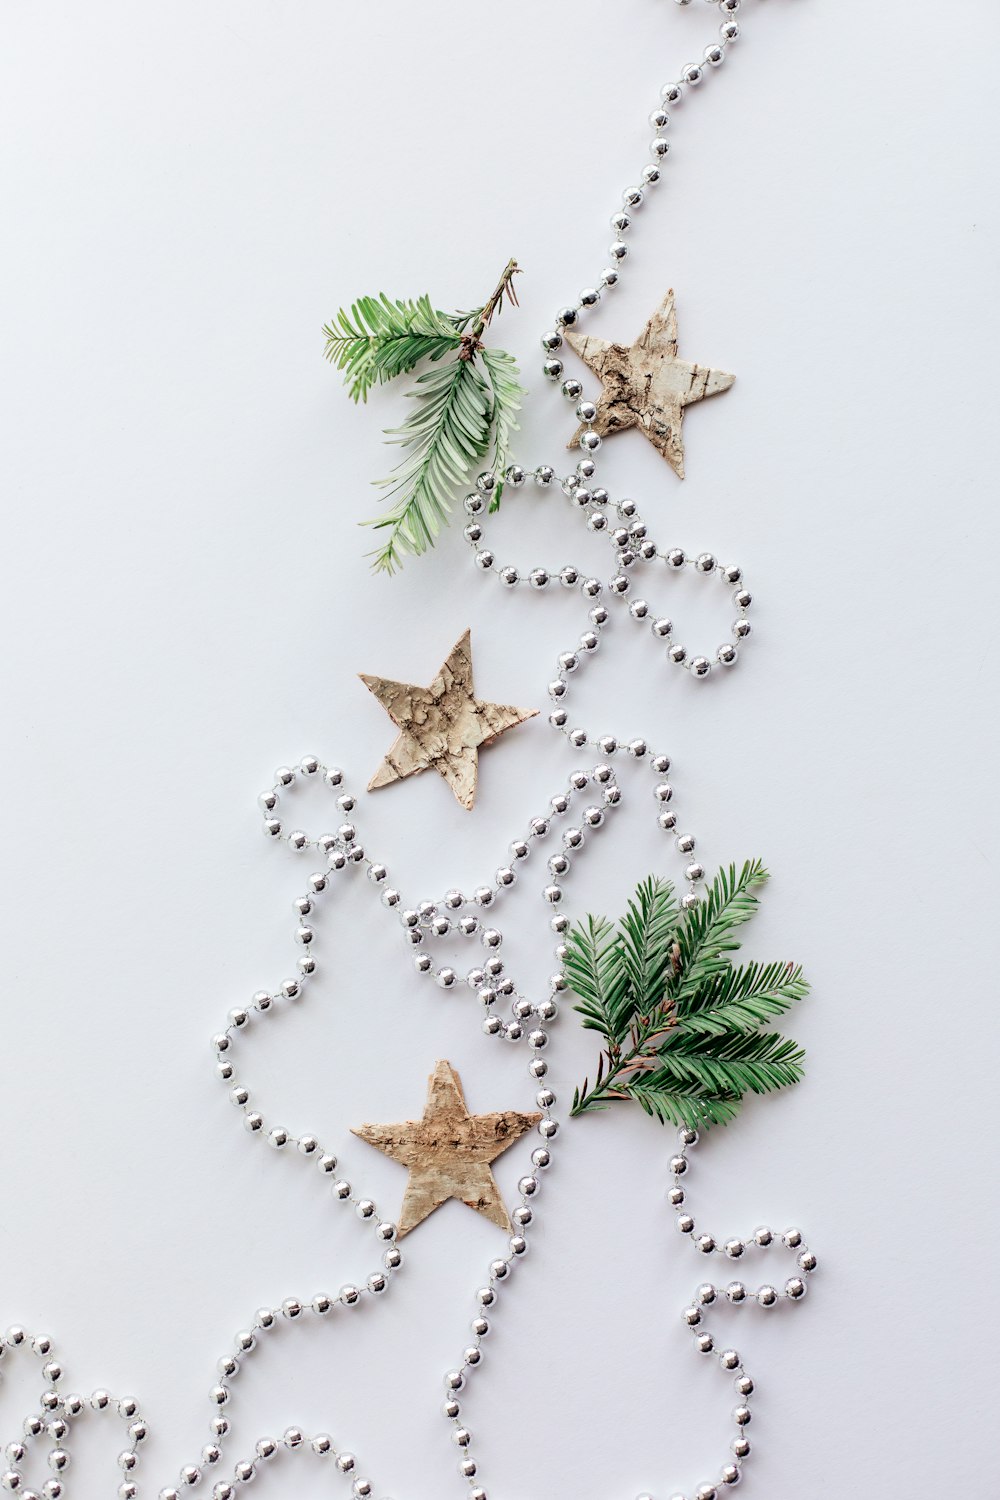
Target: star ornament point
(441, 726)
(646, 385)
(449, 1153)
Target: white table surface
(189, 192)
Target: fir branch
(681, 1023)
(459, 407)
(449, 431)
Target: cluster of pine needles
(682, 1024)
(465, 405)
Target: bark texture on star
(646, 385)
(449, 1152)
(441, 726)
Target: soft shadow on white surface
(189, 193)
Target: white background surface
(189, 191)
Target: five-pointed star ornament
(442, 725)
(645, 385)
(449, 1151)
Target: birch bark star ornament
(646, 385)
(442, 725)
(449, 1152)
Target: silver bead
(807, 1262)
(729, 1359)
(733, 1248)
(678, 655)
(715, 55)
(742, 1416)
(692, 75)
(792, 1239)
(795, 1288)
(727, 655)
(766, 1296)
(741, 1447)
(484, 559)
(736, 1292)
(552, 368)
(744, 1386)
(349, 1295)
(544, 475)
(672, 93)
(701, 666)
(763, 1236)
(706, 1294)
(509, 577)
(704, 1343)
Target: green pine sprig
(463, 407)
(681, 1023)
